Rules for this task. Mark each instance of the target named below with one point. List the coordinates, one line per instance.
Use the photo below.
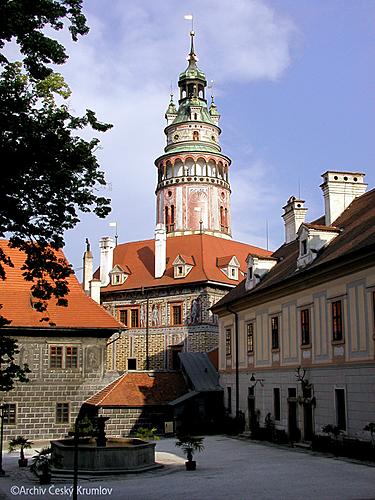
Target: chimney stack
(107, 244)
(95, 290)
(339, 190)
(160, 250)
(294, 215)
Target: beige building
(297, 335)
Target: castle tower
(193, 190)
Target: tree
(49, 172)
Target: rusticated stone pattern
(36, 400)
(198, 333)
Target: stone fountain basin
(120, 455)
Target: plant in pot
(22, 443)
(190, 445)
(41, 465)
(370, 427)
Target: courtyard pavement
(228, 468)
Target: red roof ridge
(106, 393)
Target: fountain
(103, 455)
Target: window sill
(306, 346)
(275, 349)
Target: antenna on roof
(114, 224)
(299, 187)
(267, 234)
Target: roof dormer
(229, 266)
(257, 267)
(312, 238)
(118, 275)
(182, 265)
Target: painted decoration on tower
(198, 208)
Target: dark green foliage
(19, 442)
(190, 445)
(10, 371)
(49, 173)
(23, 20)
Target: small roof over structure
(200, 371)
(139, 389)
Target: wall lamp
(256, 380)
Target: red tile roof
(16, 299)
(141, 389)
(139, 257)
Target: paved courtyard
(228, 468)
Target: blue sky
(294, 83)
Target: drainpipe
(236, 354)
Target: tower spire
(192, 57)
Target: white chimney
(160, 250)
(107, 244)
(339, 190)
(294, 215)
(87, 268)
(95, 290)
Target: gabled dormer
(257, 268)
(312, 238)
(229, 265)
(182, 265)
(118, 275)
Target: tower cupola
(193, 191)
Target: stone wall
(36, 400)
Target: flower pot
(191, 465)
(45, 479)
(22, 462)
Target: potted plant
(190, 445)
(334, 431)
(41, 465)
(370, 427)
(22, 443)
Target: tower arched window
(226, 219)
(195, 135)
(166, 219)
(195, 116)
(172, 219)
(222, 218)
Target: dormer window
(229, 266)
(250, 272)
(257, 267)
(182, 265)
(312, 239)
(234, 273)
(118, 275)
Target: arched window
(167, 219)
(226, 220)
(222, 218)
(172, 218)
(195, 135)
(195, 116)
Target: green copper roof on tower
(192, 72)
